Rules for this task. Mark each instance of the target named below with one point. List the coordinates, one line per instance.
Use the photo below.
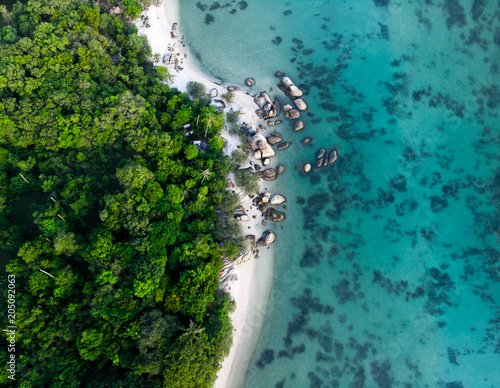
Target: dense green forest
(102, 188)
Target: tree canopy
(101, 187)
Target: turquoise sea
(387, 271)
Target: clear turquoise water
(388, 272)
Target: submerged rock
(307, 140)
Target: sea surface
(387, 271)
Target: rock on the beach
(267, 238)
(280, 169)
(243, 111)
(307, 167)
(242, 217)
(214, 92)
(274, 138)
(266, 162)
(232, 88)
(307, 140)
(300, 104)
(298, 125)
(259, 143)
(249, 82)
(277, 199)
(265, 198)
(283, 145)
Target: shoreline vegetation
(246, 279)
(115, 208)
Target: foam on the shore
(251, 288)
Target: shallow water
(388, 272)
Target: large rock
(259, 143)
(307, 168)
(319, 162)
(283, 145)
(260, 101)
(269, 174)
(292, 114)
(298, 125)
(321, 153)
(267, 238)
(249, 82)
(293, 90)
(267, 98)
(274, 215)
(277, 199)
(277, 106)
(274, 138)
(333, 156)
(300, 104)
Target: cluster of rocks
(268, 108)
(260, 147)
(292, 91)
(323, 159)
(326, 158)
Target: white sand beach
(252, 283)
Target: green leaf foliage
(101, 189)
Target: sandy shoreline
(252, 283)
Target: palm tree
(192, 330)
(205, 174)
